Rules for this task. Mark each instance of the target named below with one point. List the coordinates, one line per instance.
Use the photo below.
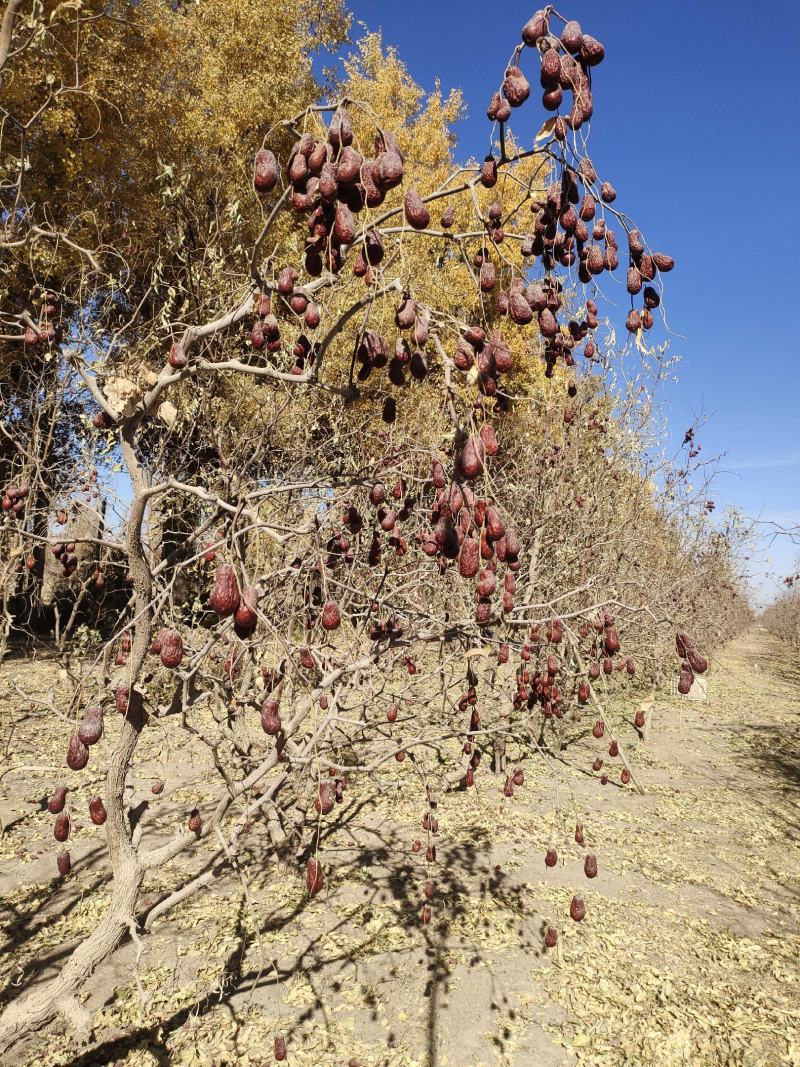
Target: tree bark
(57, 997)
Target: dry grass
(688, 955)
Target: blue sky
(697, 124)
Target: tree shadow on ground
(463, 876)
(22, 924)
(773, 749)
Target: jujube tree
(414, 511)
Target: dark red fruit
(516, 87)
(315, 879)
(469, 558)
(280, 1047)
(489, 438)
(91, 727)
(246, 615)
(417, 215)
(598, 728)
(697, 662)
(177, 357)
(55, 805)
(64, 863)
(592, 52)
(577, 909)
(535, 28)
(265, 175)
(77, 753)
(225, 597)
(97, 811)
(472, 457)
(590, 866)
(326, 798)
(489, 172)
(572, 37)
(551, 857)
(195, 822)
(611, 641)
(61, 827)
(157, 787)
(270, 718)
(331, 616)
(551, 937)
(662, 262)
(171, 648)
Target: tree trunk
(58, 996)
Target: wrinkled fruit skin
(265, 175)
(64, 863)
(91, 728)
(195, 822)
(55, 805)
(326, 798)
(97, 811)
(270, 718)
(417, 215)
(61, 827)
(315, 879)
(697, 662)
(224, 598)
(590, 866)
(577, 909)
(77, 754)
(171, 648)
(246, 614)
(280, 1047)
(472, 456)
(551, 937)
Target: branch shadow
(464, 875)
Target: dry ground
(689, 955)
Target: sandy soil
(689, 953)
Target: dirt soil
(689, 953)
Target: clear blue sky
(697, 124)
